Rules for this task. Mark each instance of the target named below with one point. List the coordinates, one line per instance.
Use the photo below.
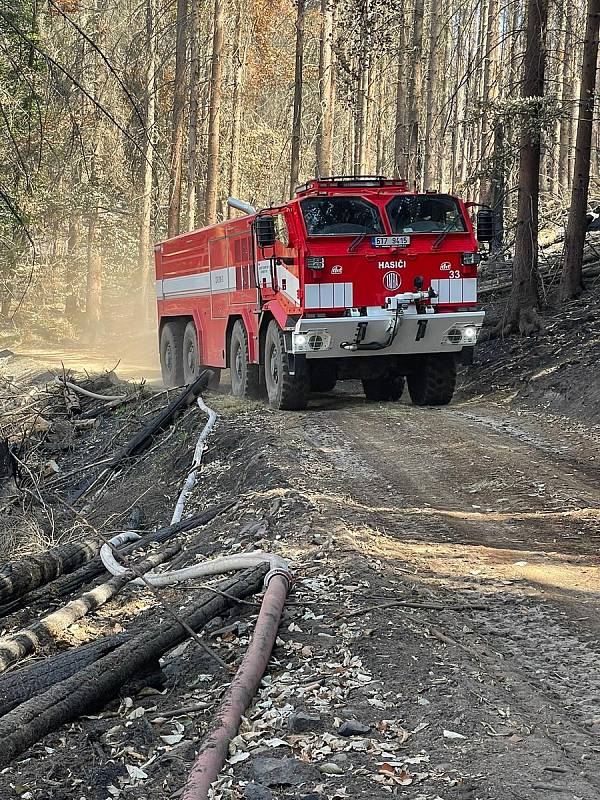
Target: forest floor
(447, 595)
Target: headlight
(470, 259)
(311, 341)
(461, 334)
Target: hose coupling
(278, 571)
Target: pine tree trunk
(325, 132)
(214, 117)
(488, 95)
(414, 94)
(195, 83)
(432, 145)
(400, 166)
(571, 284)
(178, 120)
(297, 109)
(239, 63)
(145, 250)
(524, 298)
(567, 89)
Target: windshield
(335, 216)
(424, 214)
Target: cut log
(69, 583)
(19, 686)
(19, 577)
(26, 641)
(101, 681)
(143, 438)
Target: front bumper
(333, 337)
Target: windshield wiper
(445, 232)
(355, 242)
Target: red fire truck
(355, 278)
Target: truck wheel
(244, 376)
(285, 391)
(192, 365)
(171, 353)
(434, 380)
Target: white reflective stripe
(186, 286)
(328, 295)
(219, 280)
(469, 290)
(292, 284)
(454, 290)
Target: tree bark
(524, 298)
(239, 65)
(15, 647)
(214, 117)
(400, 166)
(23, 684)
(571, 283)
(145, 249)
(431, 104)
(297, 108)
(98, 683)
(414, 96)
(70, 578)
(174, 217)
(195, 79)
(326, 91)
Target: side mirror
(486, 225)
(265, 231)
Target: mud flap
(297, 364)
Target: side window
(281, 230)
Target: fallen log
(22, 684)
(72, 582)
(142, 439)
(15, 647)
(98, 683)
(19, 577)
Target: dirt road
(447, 598)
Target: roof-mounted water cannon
(241, 205)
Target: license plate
(390, 241)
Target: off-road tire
(192, 365)
(244, 375)
(285, 392)
(171, 353)
(433, 381)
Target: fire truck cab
(354, 278)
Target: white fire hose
(213, 567)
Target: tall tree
(178, 119)
(414, 93)
(571, 283)
(524, 297)
(297, 107)
(194, 114)
(239, 64)
(326, 91)
(214, 117)
(145, 232)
